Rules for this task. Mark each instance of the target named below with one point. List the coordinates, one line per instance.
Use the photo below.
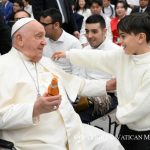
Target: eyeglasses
(46, 24)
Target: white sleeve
(16, 116)
(75, 85)
(92, 87)
(106, 61)
(139, 106)
(76, 70)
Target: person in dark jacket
(5, 37)
(78, 18)
(143, 8)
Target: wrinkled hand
(111, 85)
(58, 55)
(46, 104)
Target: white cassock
(58, 130)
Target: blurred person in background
(133, 3)
(78, 18)
(108, 9)
(5, 35)
(82, 8)
(143, 7)
(17, 5)
(21, 14)
(69, 24)
(28, 7)
(121, 10)
(7, 9)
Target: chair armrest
(6, 144)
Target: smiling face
(31, 43)
(95, 34)
(133, 44)
(134, 33)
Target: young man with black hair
(95, 28)
(96, 8)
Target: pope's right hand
(46, 104)
(59, 54)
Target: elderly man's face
(32, 41)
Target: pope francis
(28, 116)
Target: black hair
(19, 2)
(136, 23)
(54, 14)
(96, 19)
(77, 7)
(99, 2)
(124, 3)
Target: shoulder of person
(70, 36)
(107, 19)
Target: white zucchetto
(19, 24)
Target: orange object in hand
(53, 87)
